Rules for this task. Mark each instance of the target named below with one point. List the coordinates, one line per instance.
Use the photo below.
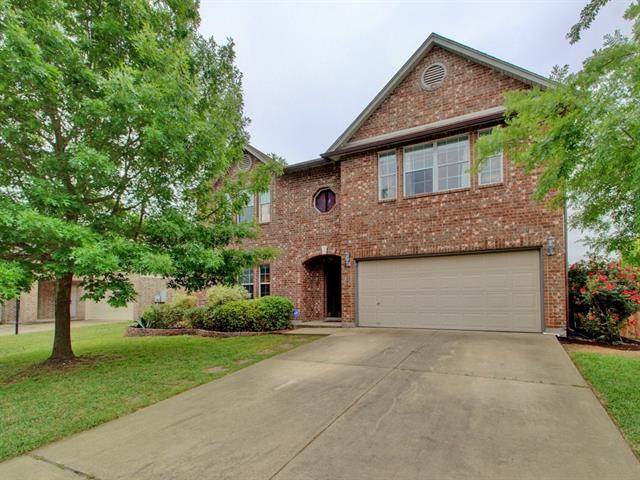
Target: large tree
(583, 137)
(116, 119)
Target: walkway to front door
(365, 404)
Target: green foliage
(221, 294)
(616, 378)
(170, 315)
(602, 296)
(277, 311)
(257, 315)
(581, 139)
(132, 373)
(183, 301)
(117, 118)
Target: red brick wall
(299, 232)
(467, 88)
(472, 219)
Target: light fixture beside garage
(551, 245)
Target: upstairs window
(248, 211)
(418, 169)
(246, 280)
(265, 280)
(490, 171)
(324, 200)
(387, 175)
(265, 206)
(453, 163)
(437, 166)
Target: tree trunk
(62, 338)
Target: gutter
(420, 133)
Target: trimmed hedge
(258, 315)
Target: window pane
(264, 274)
(418, 182)
(246, 279)
(247, 214)
(265, 206)
(387, 180)
(265, 280)
(265, 213)
(387, 187)
(453, 163)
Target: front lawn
(116, 376)
(616, 378)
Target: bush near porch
(227, 310)
(603, 298)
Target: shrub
(221, 294)
(260, 315)
(277, 311)
(602, 296)
(169, 315)
(183, 301)
(201, 317)
(155, 316)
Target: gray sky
(310, 67)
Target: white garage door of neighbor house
(103, 311)
(485, 291)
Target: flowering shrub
(602, 296)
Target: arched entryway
(322, 288)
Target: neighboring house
(39, 303)
(390, 228)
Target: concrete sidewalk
(9, 328)
(365, 404)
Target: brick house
(389, 227)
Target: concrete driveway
(365, 404)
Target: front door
(333, 289)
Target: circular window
(324, 200)
(433, 76)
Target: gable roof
(432, 40)
(263, 157)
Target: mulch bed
(629, 344)
(168, 332)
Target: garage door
(103, 311)
(488, 291)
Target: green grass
(616, 378)
(118, 375)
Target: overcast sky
(310, 67)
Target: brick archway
(321, 287)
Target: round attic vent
(245, 164)
(433, 76)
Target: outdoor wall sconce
(551, 245)
(347, 260)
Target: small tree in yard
(116, 119)
(583, 138)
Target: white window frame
(260, 282)
(434, 166)
(245, 284)
(250, 205)
(385, 155)
(264, 208)
(487, 161)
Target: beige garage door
(488, 291)
(103, 311)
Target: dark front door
(333, 287)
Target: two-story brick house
(390, 227)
